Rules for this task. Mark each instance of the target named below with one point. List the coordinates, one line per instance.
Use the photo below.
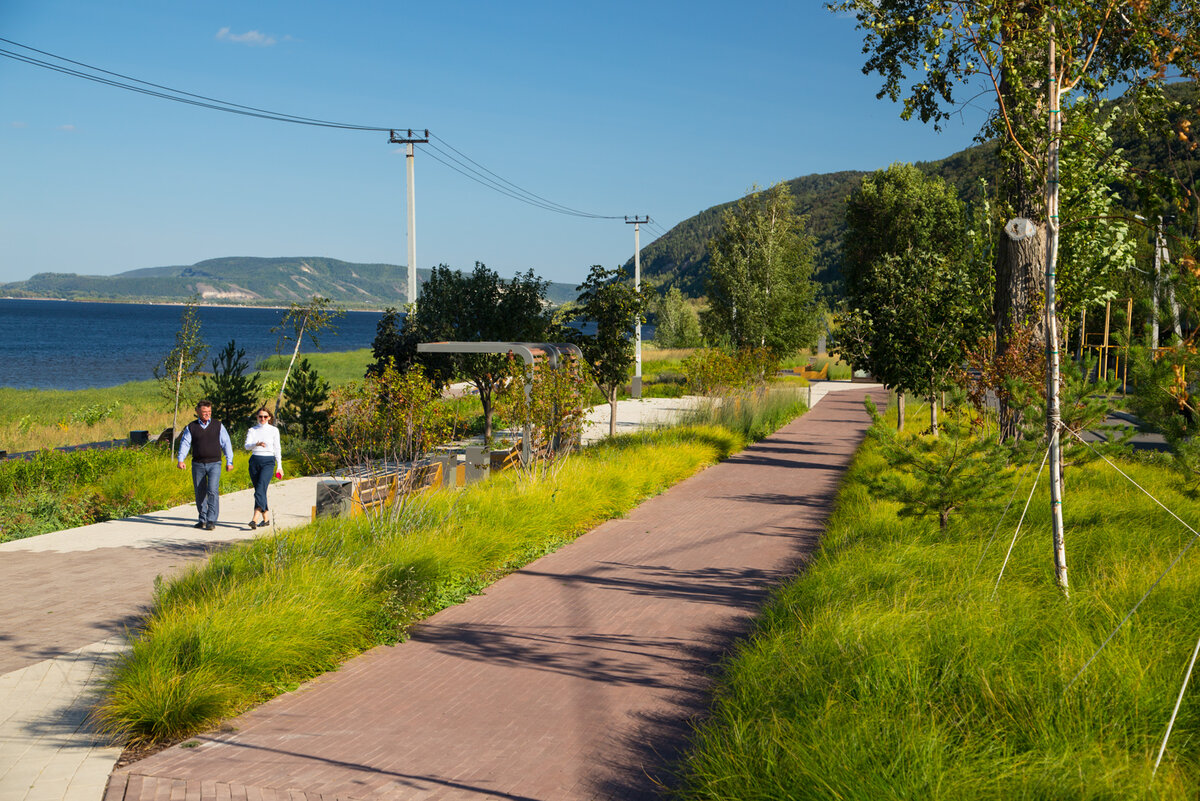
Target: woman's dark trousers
(261, 470)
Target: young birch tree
(1027, 54)
(183, 362)
(317, 315)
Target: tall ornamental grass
(54, 491)
(266, 614)
(753, 414)
(887, 670)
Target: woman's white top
(269, 436)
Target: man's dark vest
(206, 442)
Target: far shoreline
(153, 380)
(201, 304)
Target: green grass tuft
(886, 670)
(266, 614)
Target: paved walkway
(602, 665)
(66, 599)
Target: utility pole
(636, 222)
(409, 141)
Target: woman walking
(265, 452)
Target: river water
(53, 344)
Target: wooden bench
(811, 373)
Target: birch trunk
(175, 414)
(1052, 379)
(286, 375)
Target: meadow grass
(54, 491)
(266, 614)
(269, 613)
(753, 414)
(888, 671)
(32, 419)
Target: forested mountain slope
(680, 258)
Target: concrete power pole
(636, 222)
(409, 141)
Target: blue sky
(613, 109)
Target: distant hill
(680, 257)
(244, 280)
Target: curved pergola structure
(528, 351)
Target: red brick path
(574, 678)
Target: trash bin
(333, 497)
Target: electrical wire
(482, 176)
(499, 180)
(441, 150)
(657, 229)
(168, 93)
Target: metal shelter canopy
(528, 351)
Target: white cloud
(252, 38)
(66, 127)
(18, 124)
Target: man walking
(207, 441)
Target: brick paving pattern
(574, 678)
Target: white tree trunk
(295, 353)
(175, 414)
(1053, 415)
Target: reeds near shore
(34, 419)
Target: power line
(441, 151)
(657, 229)
(168, 93)
(524, 192)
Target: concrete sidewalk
(573, 678)
(66, 599)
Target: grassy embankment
(58, 491)
(31, 419)
(55, 491)
(267, 614)
(887, 669)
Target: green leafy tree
(396, 343)
(182, 364)
(480, 307)
(609, 300)
(1029, 55)
(1167, 397)
(914, 300)
(395, 416)
(553, 405)
(234, 394)
(1085, 408)
(678, 324)
(711, 371)
(306, 396)
(760, 292)
(313, 317)
(1097, 245)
